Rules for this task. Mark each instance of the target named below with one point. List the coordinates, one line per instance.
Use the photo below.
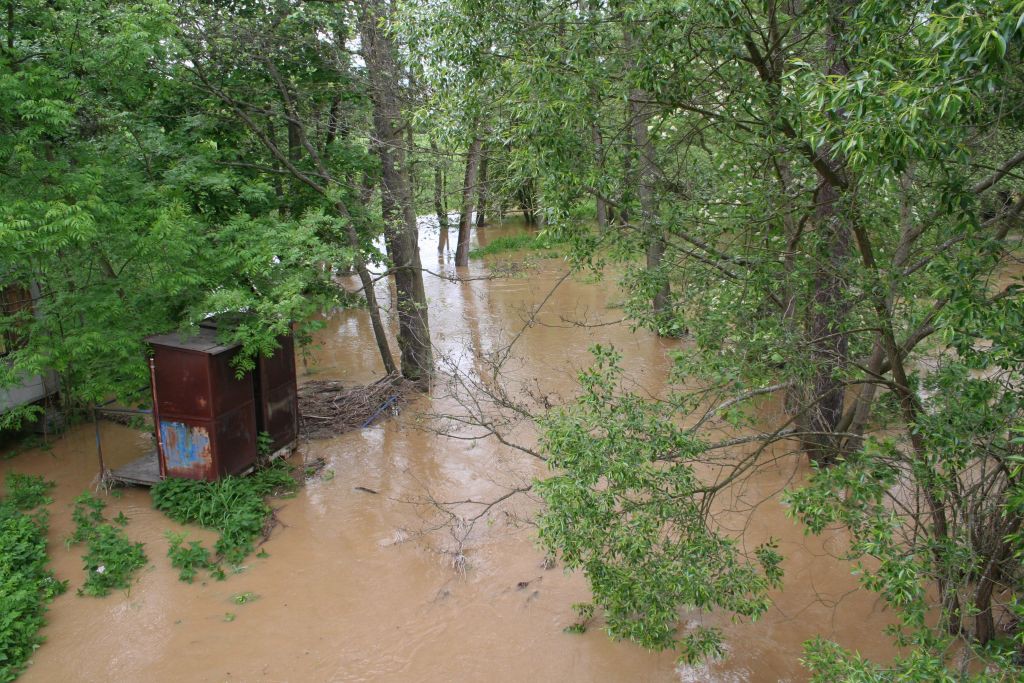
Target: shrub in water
(26, 585)
(112, 558)
(233, 506)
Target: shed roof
(204, 341)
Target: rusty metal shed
(205, 414)
(275, 390)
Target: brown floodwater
(356, 587)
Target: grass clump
(539, 241)
(26, 584)
(235, 507)
(111, 558)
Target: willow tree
(836, 185)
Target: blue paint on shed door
(185, 447)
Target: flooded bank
(358, 588)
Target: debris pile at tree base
(327, 408)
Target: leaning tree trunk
(466, 217)
(370, 293)
(396, 194)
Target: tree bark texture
(481, 201)
(652, 234)
(440, 207)
(828, 309)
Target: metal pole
(156, 421)
(99, 447)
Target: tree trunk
(466, 217)
(652, 232)
(525, 197)
(481, 202)
(333, 125)
(828, 306)
(278, 183)
(439, 200)
(396, 195)
(371, 298)
(829, 346)
(601, 204)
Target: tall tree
(820, 174)
(440, 194)
(400, 228)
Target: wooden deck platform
(144, 471)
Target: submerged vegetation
(112, 558)
(505, 243)
(236, 507)
(26, 584)
(25, 491)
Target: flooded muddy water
(355, 589)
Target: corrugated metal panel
(187, 449)
(277, 395)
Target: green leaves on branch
(624, 506)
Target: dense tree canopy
(157, 169)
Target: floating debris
(328, 408)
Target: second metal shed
(275, 389)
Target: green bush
(189, 559)
(233, 506)
(26, 584)
(111, 558)
(25, 491)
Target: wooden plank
(284, 451)
(144, 471)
